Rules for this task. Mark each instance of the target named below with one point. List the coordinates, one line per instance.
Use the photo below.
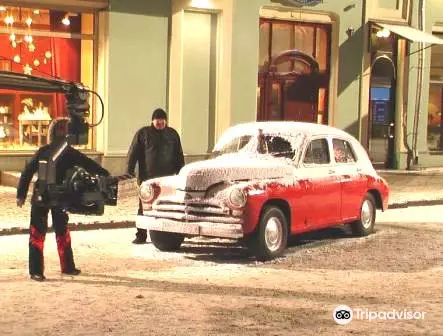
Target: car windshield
(278, 145)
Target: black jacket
(157, 152)
(70, 157)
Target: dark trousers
(141, 234)
(38, 229)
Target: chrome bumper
(190, 228)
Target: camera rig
(79, 192)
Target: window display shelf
(25, 116)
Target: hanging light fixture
(48, 54)
(9, 20)
(12, 37)
(66, 20)
(17, 59)
(31, 47)
(383, 33)
(28, 21)
(28, 38)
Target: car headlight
(147, 192)
(237, 198)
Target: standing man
(69, 158)
(158, 151)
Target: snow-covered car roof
(277, 128)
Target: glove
(20, 202)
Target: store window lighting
(2, 8)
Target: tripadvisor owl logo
(342, 314)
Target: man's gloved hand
(20, 202)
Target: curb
(74, 227)
(131, 224)
(407, 204)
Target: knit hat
(159, 114)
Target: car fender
(264, 192)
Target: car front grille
(194, 211)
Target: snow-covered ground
(212, 287)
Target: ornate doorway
(293, 77)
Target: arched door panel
(290, 87)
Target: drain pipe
(420, 74)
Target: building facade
(372, 68)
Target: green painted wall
(244, 68)
(197, 43)
(138, 63)
(390, 4)
(245, 59)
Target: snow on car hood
(233, 167)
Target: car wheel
(365, 225)
(166, 241)
(271, 235)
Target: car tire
(365, 224)
(271, 236)
(166, 241)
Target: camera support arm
(77, 98)
(77, 103)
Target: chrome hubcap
(273, 234)
(367, 214)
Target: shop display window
(47, 43)
(435, 102)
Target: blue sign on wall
(380, 112)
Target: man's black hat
(159, 114)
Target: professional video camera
(79, 192)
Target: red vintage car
(266, 181)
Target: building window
(47, 43)
(435, 102)
(294, 68)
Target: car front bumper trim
(221, 230)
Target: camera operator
(58, 131)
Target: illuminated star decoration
(27, 69)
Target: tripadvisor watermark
(344, 314)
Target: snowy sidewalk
(16, 220)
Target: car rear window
(343, 152)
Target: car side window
(343, 152)
(317, 152)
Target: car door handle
(359, 170)
(331, 171)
